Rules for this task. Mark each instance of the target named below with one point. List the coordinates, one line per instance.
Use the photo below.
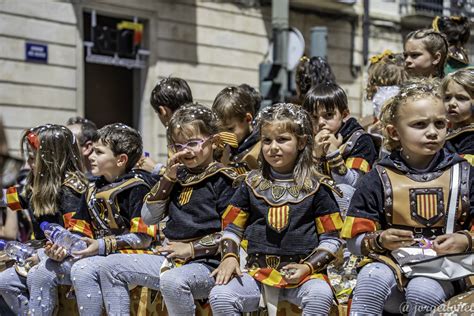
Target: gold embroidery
(185, 195)
(272, 261)
(265, 185)
(278, 191)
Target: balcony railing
(432, 8)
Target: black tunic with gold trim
(396, 196)
(358, 149)
(197, 202)
(281, 218)
(114, 209)
(69, 200)
(461, 141)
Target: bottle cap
(2, 244)
(44, 226)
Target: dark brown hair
(296, 121)
(434, 42)
(171, 92)
(197, 115)
(325, 96)
(122, 139)
(233, 102)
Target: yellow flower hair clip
(376, 58)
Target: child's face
(458, 103)
(418, 61)
(240, 127)
(420, 128)
(279, 147)
(104, 162)
(329, 120)
(198, 148)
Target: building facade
(210, 43)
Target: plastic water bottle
(63, 238)
(16, 250)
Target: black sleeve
(133, 200)
(367, 201)
(224, 192)
(324, 203)
(365, 149)
(69, 201)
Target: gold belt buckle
(272, 261)
(418, 232)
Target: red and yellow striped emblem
(241, 170)
(354, 226)
(138, 226)
(278, 217)
(358, 163)
(185, 195)
(235, 216)
(427, 205)
(81, 226)
(12, 199)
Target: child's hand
(450, 243)
(55, 252)
(321, 143)
(226, 270)
(146, 163)
(392, 239)
(176, 249)
(173, 164)
(334, 143)
(33, 260)
(91, 250)
(293, 273)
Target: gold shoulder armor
(75, 183)
(238, 181)
(328, 182)
(230, 172)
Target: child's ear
(215, 140)
(345, 114)
(248, 118)
(436, 58)
(302, 140)
(164, 113)
(122, 160)
(392, 132)
(87, 148)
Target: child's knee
(378, 274)
(41, 275)
(83, 270)
(321, 291)
(171, 281)
(429, 292)
(221, 296)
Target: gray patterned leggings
(43, 280)
(376, 291)
(242, 294)
(178, 286)
(14, 291)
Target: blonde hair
(57, 156)
(413, 89)
(463, 77)
(386, 71)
